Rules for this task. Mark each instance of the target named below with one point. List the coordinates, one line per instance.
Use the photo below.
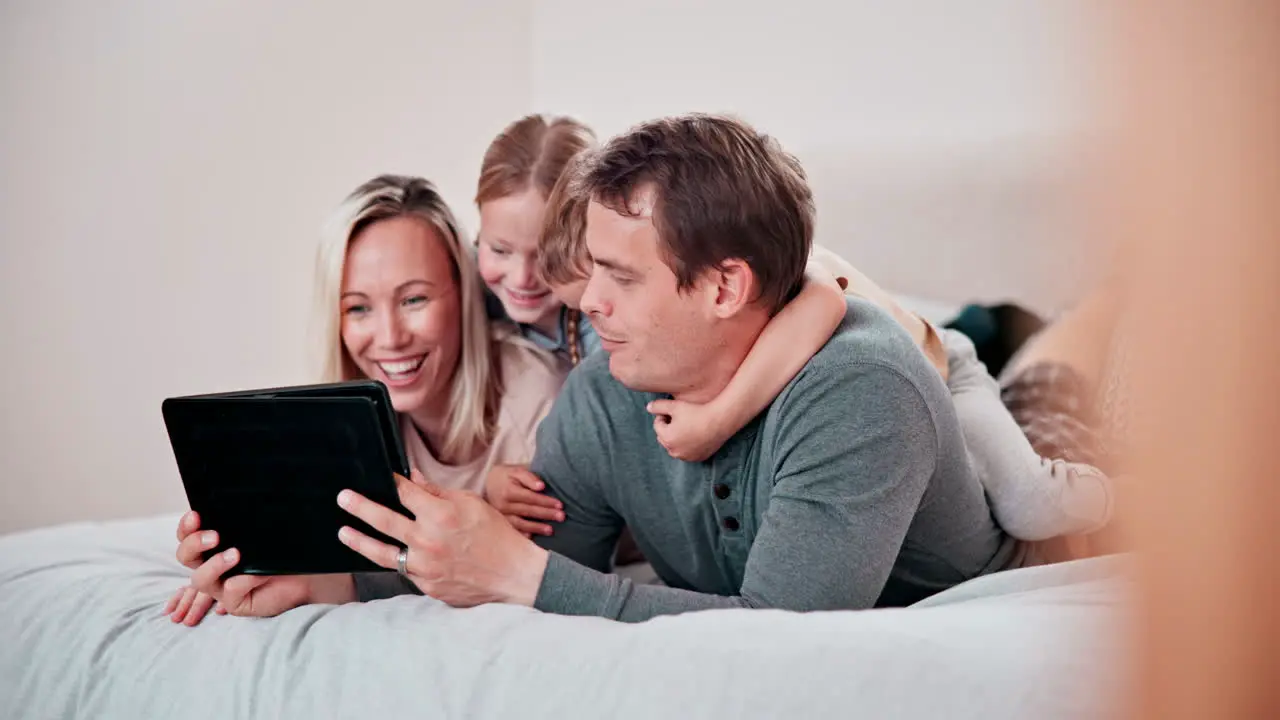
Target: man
(852, 490)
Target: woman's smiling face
(401, 313)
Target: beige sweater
(531, 381)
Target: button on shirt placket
(726, 491)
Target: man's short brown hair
(722, 191)
(562, 250)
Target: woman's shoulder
(531, 378)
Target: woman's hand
(688, 431)
(188, 606)
(245, 595)
(459, 549)
(517, 494)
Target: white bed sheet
(82, 636)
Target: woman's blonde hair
(476, 383)
(531, 152)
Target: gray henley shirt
(851, 490)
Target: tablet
(264, 468)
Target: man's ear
(734, 287)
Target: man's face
(655, 335)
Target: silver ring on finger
(402, 562)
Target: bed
(83, 637)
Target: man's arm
(854, 449)
(573, 448)
(381, 585)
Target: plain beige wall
(937, 134)
(164, 168)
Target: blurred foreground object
(1190, 177)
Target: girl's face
(508, 254)
(401, 312)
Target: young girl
(1033, 498)
(519, 170)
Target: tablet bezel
(375, 390)
(360, 407)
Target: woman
(398, 300)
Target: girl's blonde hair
(476, 383)
(531, 152)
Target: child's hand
(188, 606)
(688, 431)
(517, 494)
